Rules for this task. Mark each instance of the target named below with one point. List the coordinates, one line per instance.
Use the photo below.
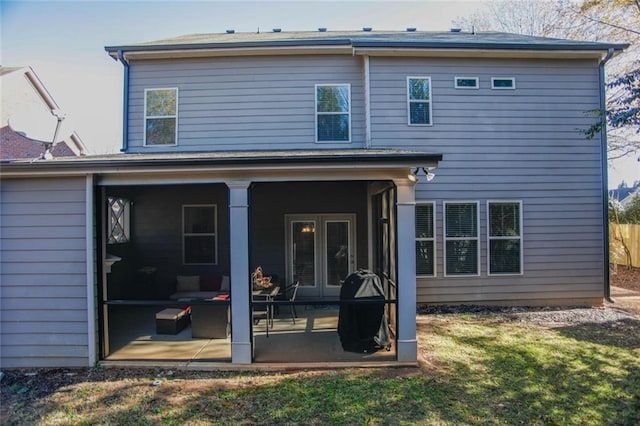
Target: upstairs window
(118, 214)
(503, 83)
(333, 112)
(419, 101)
(461, 237)
(160, 116)
(199, 233)
(425, 240)
(505, 237)
(466, 83)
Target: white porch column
(406, 204)
(239, 259)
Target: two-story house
(453, 165)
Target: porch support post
(239, 259)
(406, 262)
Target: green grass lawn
(475, 370)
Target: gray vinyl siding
(245, 103)
(521, 144)
(43, 274)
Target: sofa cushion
(188, 283)
(210, 283)
(190, 295)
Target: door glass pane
(303, 256)
(338, 252)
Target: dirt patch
(623, 277)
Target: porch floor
(312, 339)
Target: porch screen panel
(338, 252)
(461, 238)
(304, 252)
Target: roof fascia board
(40, 88)
(266, 159)
(368, 51)
(202, 174)
(76, 144)
(162, 177)
(568, 45)
(241, 51)
(482, 53)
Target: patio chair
(292, 290)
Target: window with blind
(461, 238)
(504, 237)
(425, 240)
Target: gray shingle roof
(415, 39)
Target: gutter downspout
(605, 180)
(125, 105)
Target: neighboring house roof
(631, 197)
(625, 195)
(364, 40)
(621, 193)
(14, 145)
(31, 119)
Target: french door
(320, 252)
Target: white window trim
(493, 83)
(315, 107)
(490, 238)
(144, 129)
(434, 239)
(214, 234)
(409, 101)
(445, 239)
(476, 87)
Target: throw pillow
(224, 285)
(188, 283)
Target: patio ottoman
(171, 320)
(210, 321)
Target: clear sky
(64, 42)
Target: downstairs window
(505, 237)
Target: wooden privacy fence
(630, 234)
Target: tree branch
(578, 12)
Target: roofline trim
(237, 51)
(317, 45)
(483, 53)
(85, 165)
(487, 45)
